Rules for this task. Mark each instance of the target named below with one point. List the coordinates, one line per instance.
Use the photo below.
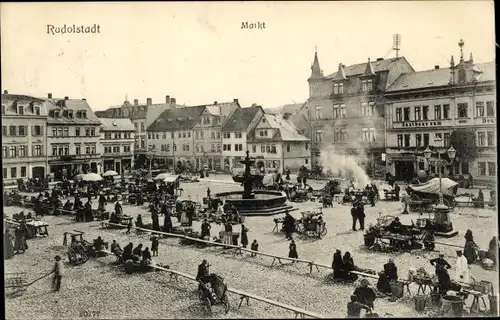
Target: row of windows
(13, 173)
(487, 167)
(64, 132)
(340, 135)
(63, 149)
(237, 135)
(339, 110)
(20, 109)
(117, 135)
(116, 149)
(443, 112)
(237, 147)
(21, 131)
(207, 120)
(82, 114)
(422, 140)
(137, 127)
(486, 139)
(21, 151)
(166, 147)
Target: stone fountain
(255, 203)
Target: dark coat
(292, 253)
(244, 236)
(202, 271)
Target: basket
(397, 289)
(482, 286)
(420, 302)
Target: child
(254, 247)
(154, 245)
(58, 272)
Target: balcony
(422, 124)
(485, 120)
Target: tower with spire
(316, 75)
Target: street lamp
(440, 164)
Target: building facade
(208, 134)
(24, 145)
(235, 133)
(73, 137)
(346, 108)
(172, 136)
(277, 145)
(424, 108)
(117, 144)
(142, 116)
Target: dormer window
(462, 76)
(65, 113)
(36, 110)
(70, 114)
(57, 114)
(84, 114)
(20, 110)
(338, 88)
(366, 85)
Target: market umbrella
(91, 177)
(110, 173)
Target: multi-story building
(73, 137)
(235, 132)
(423, 109)
(346, 108)
(117, 144)
(207, 134)
(172, 136)
(23, 137)
(277, 145)
(142, 116)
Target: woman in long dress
(7, 245)
(244, 236)
(184, 218)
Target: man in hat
(442, 274)
(461, 268)
(58, 272)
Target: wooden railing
(244, 296)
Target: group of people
(15, 240)
(342, 267)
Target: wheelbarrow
(17, 284)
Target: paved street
(289, 284)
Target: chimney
(235, 100)
(148, 101)
(49, 95)
(215, 103)
(5, 92)
(380, 59)
(436, 67)
(172, 100)
(66, 98)
(84, 99)
(136, 102)
(167, 99)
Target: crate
(482, 286)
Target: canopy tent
(170, 178)
(167, 177)
(432, 187)
(91, 177)
(110, 173)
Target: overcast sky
(197, 52)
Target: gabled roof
(359, 69)
(291, 108)
(70, 104)
(437, 78)
(176, 119)
(241, 119)
(286, 130)
(11, 100)
(110, 124)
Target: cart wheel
(226, 304)
(207, 306)
(324, 231)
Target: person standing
(156, 224)
(154, 245)
(288, 225)
(205, 229)
(462, 268)
(244, 236)
(254, 247)
(58, 273)
(338, 265)
(354, 215)
(118, 208)
(442, 267)
(360, 212)
(397, 189)
(167, 223)
(208, 193)
(102, 202)
(292, 251)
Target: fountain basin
(264, 203)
